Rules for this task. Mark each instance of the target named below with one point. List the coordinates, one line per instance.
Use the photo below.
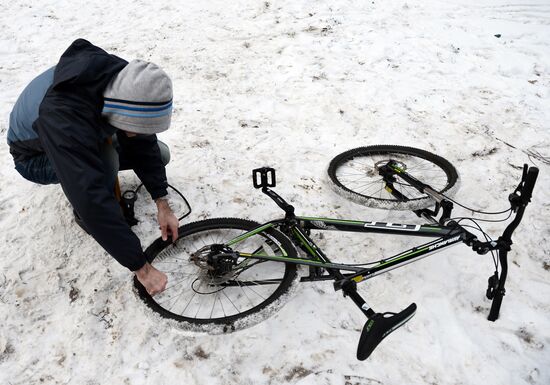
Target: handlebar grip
(495, 307)
(529, 183)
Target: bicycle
(226, 270)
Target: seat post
(349, 288)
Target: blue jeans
(39, 168)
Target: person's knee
(37, 170)
(164, 152)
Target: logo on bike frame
(398, 226)
(443, 243)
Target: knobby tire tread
(414, 204)
(211, 224)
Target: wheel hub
(394, 165)
(217, 260)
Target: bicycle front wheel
(355, 175)
(199, 295)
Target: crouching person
(80, 122)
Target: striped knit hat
(139, 99)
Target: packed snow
(291, 84)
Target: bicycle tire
(353, 175)
(166, 257)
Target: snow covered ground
(291, 84)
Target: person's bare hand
(152, 279)
(167, 220)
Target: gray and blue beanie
(139, 99)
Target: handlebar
(519, 200)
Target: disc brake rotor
(210, 279)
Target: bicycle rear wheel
(354, 174)
(197, 295)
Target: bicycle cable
(386, 259)
(363, 264)
(177, 192)
(476, 211)
(486, 220)
(485, 235)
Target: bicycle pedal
(379, 327)
(264, 177)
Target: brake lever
(492, 286)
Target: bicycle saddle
(378, 327)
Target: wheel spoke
(197, 291)
(356, 172)
(229, 299)
(273, 281)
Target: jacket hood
(84, 64)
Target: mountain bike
(225, 271)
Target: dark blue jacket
(59, 113)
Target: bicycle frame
(298, 228)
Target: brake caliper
(218, 259)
